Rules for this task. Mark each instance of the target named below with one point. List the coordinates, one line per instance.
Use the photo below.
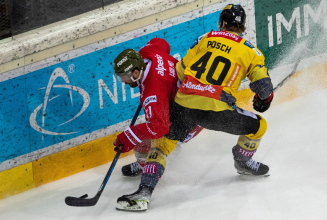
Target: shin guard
(154, 168)
(156, 161)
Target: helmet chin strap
(138, 79)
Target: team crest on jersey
(149, 100)
(247, 43)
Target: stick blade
(82, 201)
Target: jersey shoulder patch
(197, 40)
(248, 44)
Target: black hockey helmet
(233, 15)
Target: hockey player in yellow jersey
(213, 69)
(211, 73)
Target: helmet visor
(123, 77)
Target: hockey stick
(304, 52)
(83, 201)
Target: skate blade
(140, 206)
(131, 176)
(134, 176)
(250, 174)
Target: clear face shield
(127, 77)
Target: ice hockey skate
(251, 167)
(136, 202)
(245, 165)
(132, 170)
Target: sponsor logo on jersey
(226, 35)
(247, 43)
(192, 86)
(199, 87)
(160, 67)
(149, 100)
(122, 61)
(172, 70)
(234, 75)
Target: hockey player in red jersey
(153, 70)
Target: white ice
(200, 181)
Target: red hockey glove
(262, 105)
(128, 139)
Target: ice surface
(200, 181)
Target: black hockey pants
(237, 122)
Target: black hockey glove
(262, 105)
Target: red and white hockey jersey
(157, 89)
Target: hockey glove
(262, 105)
(129, 138)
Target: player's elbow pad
(263, 87)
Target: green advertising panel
(288, 28)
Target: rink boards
(63, 113)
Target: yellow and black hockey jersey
(214, 67)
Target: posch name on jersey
(149, 100)
(217, 45)
(160, 67)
